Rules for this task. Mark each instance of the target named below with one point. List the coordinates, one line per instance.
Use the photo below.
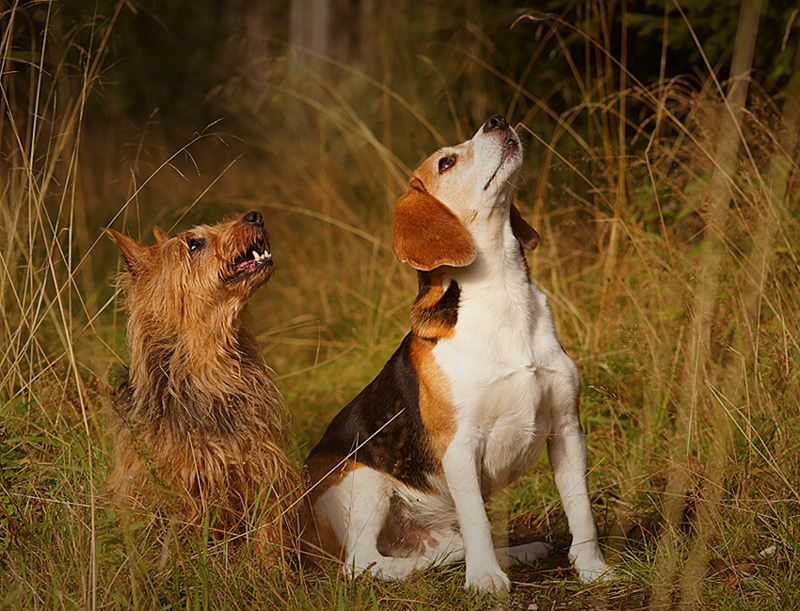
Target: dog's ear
(160, 235)
(427, 234)
(527, 236)
(134, 254)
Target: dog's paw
(350, 571)
(531, 552)
(494, 581)
(598, 573)
(386, 568)
(520, 554)
(587, 559)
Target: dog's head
(453, 192)
(200, 274)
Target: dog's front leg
(461, 463)
(568, 458)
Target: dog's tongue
(246, 265)
(250, 264)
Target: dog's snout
(254, 218)
(495, 122)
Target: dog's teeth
(255, 255)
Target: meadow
(670, 254)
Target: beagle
(464, 407)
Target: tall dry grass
(668, 214)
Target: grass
(669, 254)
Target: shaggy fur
(200, 420)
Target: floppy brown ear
(528, 237)
(160, 235)
(427, 234)
(133, 253)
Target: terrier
(199, 418)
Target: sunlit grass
(692, 406)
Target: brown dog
(199, 417)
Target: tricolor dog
(466, 404)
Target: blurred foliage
(188, 59)
(714, 24)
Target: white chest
(508, 374)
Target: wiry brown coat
(200, 420)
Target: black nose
(495, 122)
(254, 218)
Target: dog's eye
(445, 163)
(195, 244)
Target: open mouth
(255, 258)
(509, 148)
